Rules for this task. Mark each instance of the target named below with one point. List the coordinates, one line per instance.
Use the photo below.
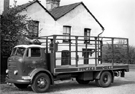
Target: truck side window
(35, 52)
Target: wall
(79, 18)
(46, 22)
(1, 6)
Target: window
(18, 51)
(33, 52)
(87, 35)
(66, 33)
(33, 28)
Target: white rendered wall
(79, 18)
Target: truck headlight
(7, 70)
(15, 72)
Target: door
(34, 59)
(66, 57)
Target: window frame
(17, 51)
(29, 52)
(36, 24)
(66, 33)
(87, 32)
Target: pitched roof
(62, 10)
(56, 13)
(24, 6)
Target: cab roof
(32, 45)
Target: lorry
(59, 57)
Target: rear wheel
(41, 83)
(82, 81)
(21, 86)
(105, 79)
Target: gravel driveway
(120, 86)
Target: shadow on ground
(62, 86)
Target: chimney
(6, 5)
(51, 4)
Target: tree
(12, 25)
(131, 55)
(15, 30)
(121, 53)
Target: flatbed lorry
(61, 57)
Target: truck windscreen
(18, 51)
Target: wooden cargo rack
(79, 53)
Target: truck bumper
(18, 81)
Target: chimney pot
(51, 4)
(6, 5)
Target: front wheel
(105, 79)
(21, 86)
(41, 83)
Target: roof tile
(62, 10)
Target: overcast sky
(117, 16)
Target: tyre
(105, 79)
(21, 86)
(82, 81)
(41, 83)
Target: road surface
(120, 86)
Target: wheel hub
(41, 82)
(105, 79)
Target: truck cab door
(34, 58)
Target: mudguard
(98, 74)
(41, 70)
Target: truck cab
(23, 61)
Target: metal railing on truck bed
(79, 51)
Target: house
(73, 19)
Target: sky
(117, 16)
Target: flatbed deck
(90, 67)
(76, 54)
